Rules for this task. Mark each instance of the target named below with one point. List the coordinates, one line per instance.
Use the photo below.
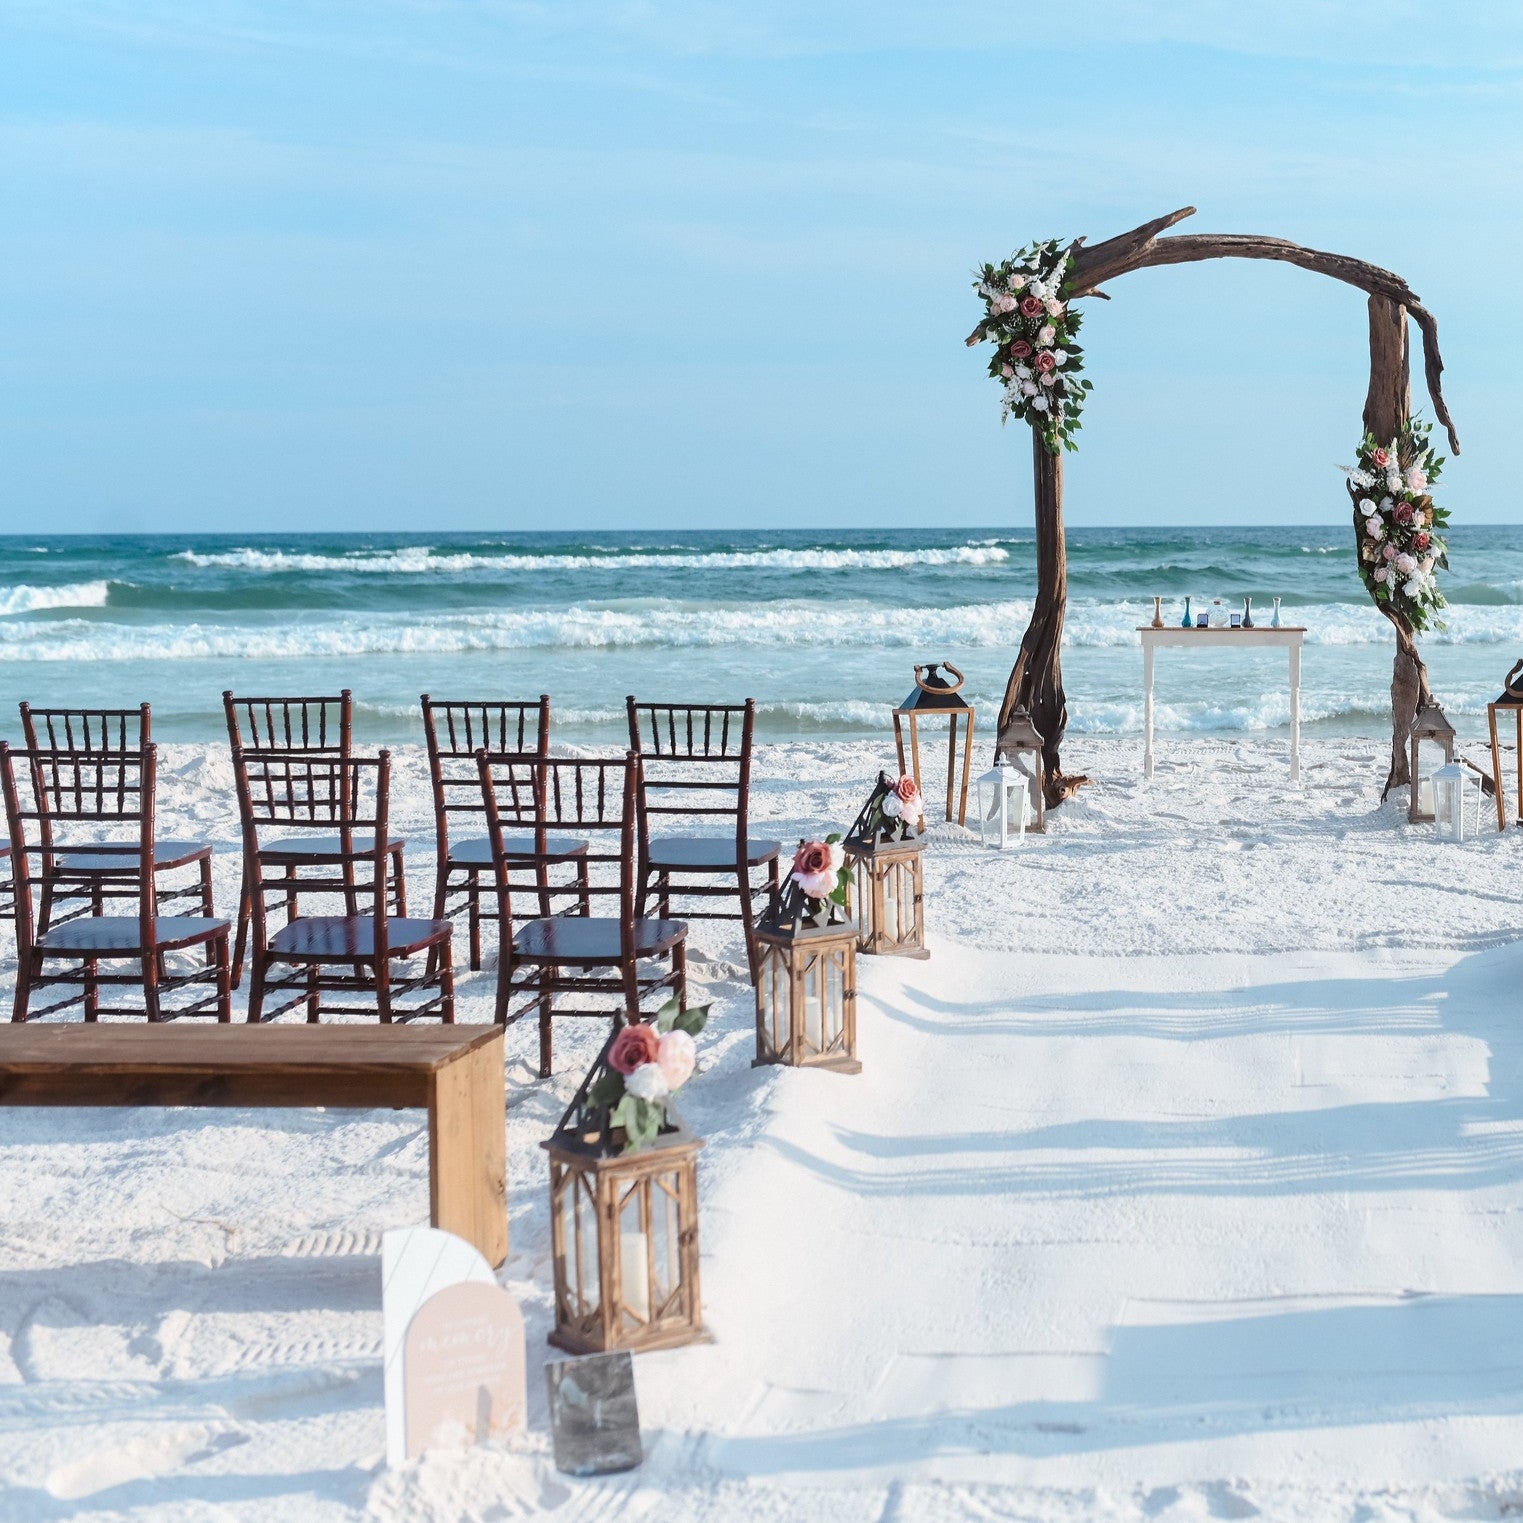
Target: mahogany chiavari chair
(47, 789)
(322, 726)
(346, 799)
(696, 765)
(455, 732)
(77, 874)
(617, 953)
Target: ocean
(821, 628)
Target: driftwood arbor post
(1036, 683)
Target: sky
(421, 265)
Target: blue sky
(388, 265)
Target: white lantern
(1452, 788)
(1003, 806)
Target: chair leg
(245, 915)
(314, 997)
(383, 991)
(441, 893)
(224, 984)
(447, 986)
(664, 891)
(679, 973)
(748, 919)
(546, 1017)
(23, 986)
(474, 913)
(206, 887)
(256, 989)
(150, 989)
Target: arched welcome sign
(1030, 319)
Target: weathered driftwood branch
(1142, 249)
(1037, 679)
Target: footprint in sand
(140, 1460)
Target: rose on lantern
(819, 869)
(648, 1061)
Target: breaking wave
(24, 599)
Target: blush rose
(635, 1046)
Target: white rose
(1028, 388)
(1413, 588)
(837, 855)
(1061, 356)
(1393, 481)
(1405, 564)
(1416, 480)
(1374, 528)
(1047, 334)
(647, 1082)
(1024, 372)
(1386, 504)
(1006, 304)
(1366, 505)
(1038, 290)
(1050, 379)
(1017, 282)
(1040, 403)
(1053, 307)
(892, 807)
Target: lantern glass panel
(776, 992)
(634, 1259)
(584, 1281)
(665, 1240)
(890, 926)
(835, 1002)
(1430, 757)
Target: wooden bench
(456, 1072)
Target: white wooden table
(1287, 637)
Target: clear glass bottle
(1219, 617)
(1274, 623)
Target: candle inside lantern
(635, 1273)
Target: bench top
(180, 1064)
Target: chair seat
(315, 848)
(708, 853)
(165, 854)
(351, 938)
(584, 939)
(477, 852)
(121, 934)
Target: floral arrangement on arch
(1032, 327)
(648, 1062)
(1401, 547)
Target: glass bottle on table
(1219, 618)
(1188, 622)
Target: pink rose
(1020, 349)
(1047, 335)
(634, 1046)
(1050, 379)
(1045, 361)
(1380, 573)
(1031, 307)
(1417, 481)
(1403, 513)
(814, 869)
(1390, 552)
(1421, 542)
(911, 805)
(1054, 308)
(1005, 304)
(1381, 459)
(678, 1055)
(1008, 371)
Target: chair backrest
(44, 788)
(456, 731)
(346, 796)
(323, 726)
(594, 798)
(118, 732)
(695, 762)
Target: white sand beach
(1184, 1181)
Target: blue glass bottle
(1187, 622)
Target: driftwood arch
(1036, 682)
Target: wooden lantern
(888, 879)
(1510, 698)
(935, 696)
(1431, 732)
(623, 1232)
(806, 986)
(1020, 746)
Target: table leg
(1147, 710)
(1295, 713)
(967, 772)
(1496, 766)
(467, 1150)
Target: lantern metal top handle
(931, 683)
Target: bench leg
(467, 1151)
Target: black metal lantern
(887, 859)
(934, 696)
(623, 1231)
(806, 986)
